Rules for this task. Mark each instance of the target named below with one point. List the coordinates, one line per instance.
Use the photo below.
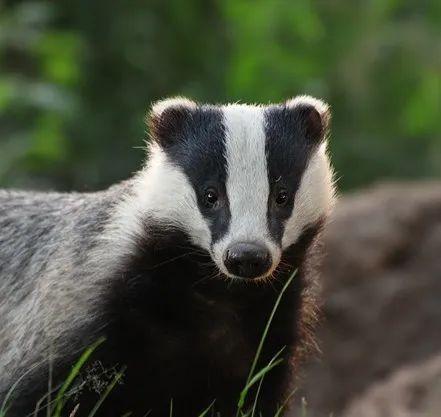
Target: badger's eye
(282, 198)
(210, 198)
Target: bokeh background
(77, 78)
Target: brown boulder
(413, 391)
(382, 292)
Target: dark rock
(413, 391)
(382, 292)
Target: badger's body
(178, 268)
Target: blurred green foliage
(76, 78)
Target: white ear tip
(321, 106)
(162, 105)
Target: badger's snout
(247, 259)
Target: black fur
(288, 149)
(196, 143)
(185, 337)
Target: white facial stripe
(163, 192)
(247, 180)
(247, 175)
(314, 198)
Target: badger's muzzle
(247, 260)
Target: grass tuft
(252, 377)
(60, 399)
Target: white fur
(314, 198)
(162, 105)
(163, 193)
(247, 180)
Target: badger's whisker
(215, 274)
(175, 258)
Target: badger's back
(36, 226)
(46, 272)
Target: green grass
(254, 377)
(61, 397)
(5, 404)
(56, 407)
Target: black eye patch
(199, 152)
(288, 150)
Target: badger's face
(242, 181)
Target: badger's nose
(247, 259)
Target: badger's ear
(167, 117)
(313, 114)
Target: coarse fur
(143, 264)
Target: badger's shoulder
(39, 228)
(47, 274)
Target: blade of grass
(59, 400)
(4, 407)
(274, 358)
(43, 398)
(109, 389)
(205, 412)
(74, 411)
(171, 408)
(255, 379)
(49, 386)
(268, 324)
(261, 343)
(285, 403)
(256, 398)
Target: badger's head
(242, 181)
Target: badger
(177, 268)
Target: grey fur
(52, 254)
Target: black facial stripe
(200, 152)
(288, 152)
